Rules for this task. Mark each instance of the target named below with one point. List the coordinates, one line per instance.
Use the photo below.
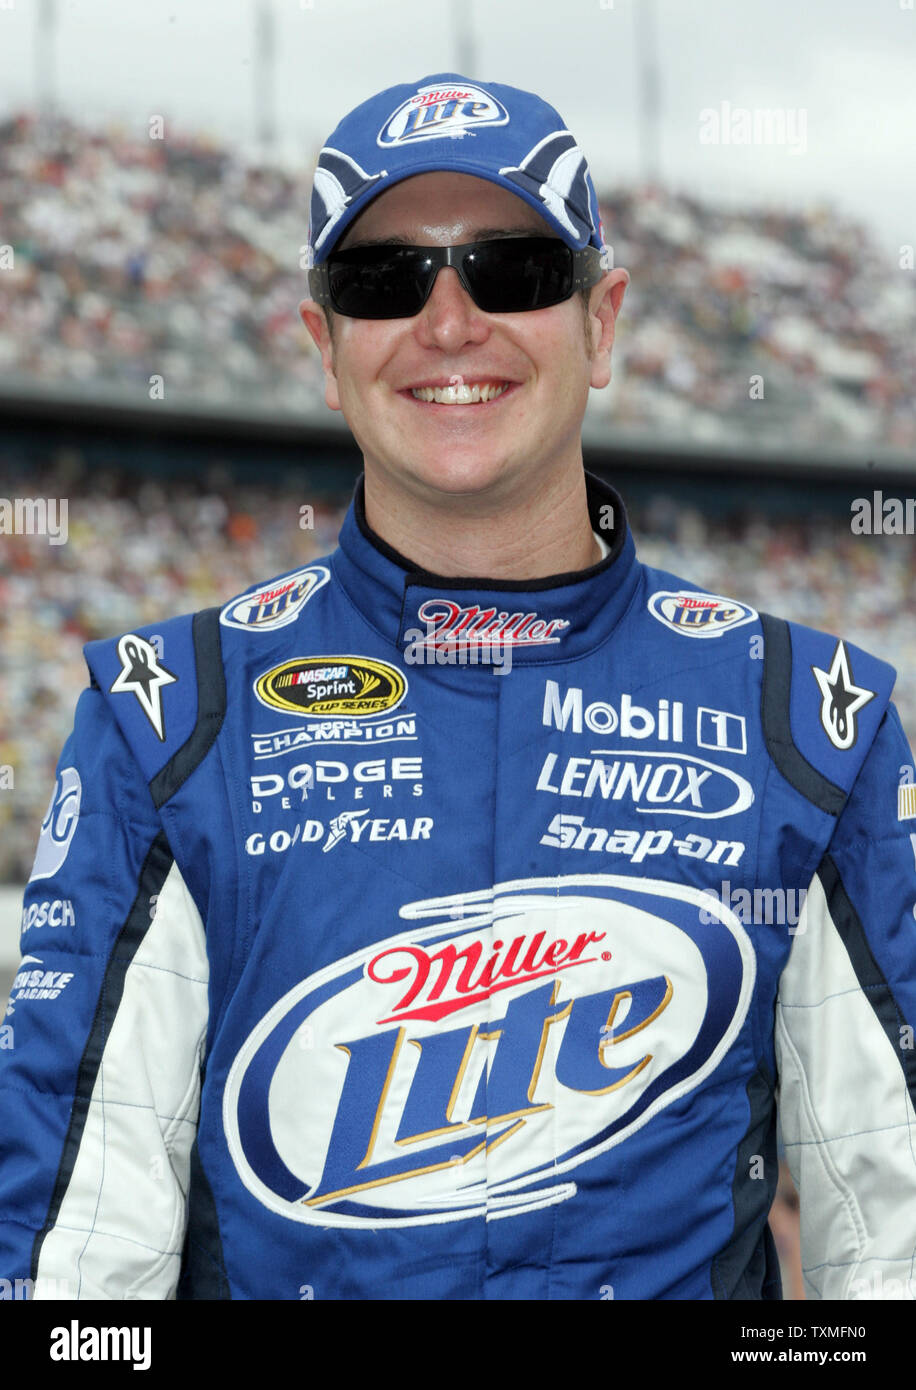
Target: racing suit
(396, 936)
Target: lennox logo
(466, 1068)
(699, 615)
(671, 783)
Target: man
(439, 921)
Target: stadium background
(154, 373)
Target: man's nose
(450, 314)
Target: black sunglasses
(507, 276)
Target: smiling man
(463, 414)
(353, 972)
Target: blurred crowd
(135, 258)
(141, 550)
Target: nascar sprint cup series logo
(323, 686)
(462, 1067)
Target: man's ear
(315, 320)
(604, 306)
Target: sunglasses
(508, 276)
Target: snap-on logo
(699, 615)
(476, 1061)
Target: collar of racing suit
(542, 620)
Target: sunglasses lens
(505, 277)
(520, 273)
(379, 282)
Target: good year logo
(458, 1068)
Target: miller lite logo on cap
(452, 110)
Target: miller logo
(451, 111)
(447, 622)
(318, 686)
(699, 615)
(467, 1068)
(264, 609)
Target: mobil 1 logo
(664, 721)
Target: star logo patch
(142, 675)
(841, 699)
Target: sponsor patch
(59, 824)
(663, 720)
(316, 686)
(657, 783)
(473, 1064)
(349, 825)
(699, 615)
(437, 111)
(906, 801)
(330, 773)
(53, 912)
(449, 624)
(841, 699)
(33, 981)
(142, 675)
(571, 832)
(276, 605)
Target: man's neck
(543, 533)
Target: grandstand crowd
(135, 258)
(140, 550)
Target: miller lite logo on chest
(474, 1062)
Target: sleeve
(102, 1045)
(845, 1017)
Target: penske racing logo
(470, 1065)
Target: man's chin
(458, 476)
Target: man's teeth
(459, 395)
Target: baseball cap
(449, 122)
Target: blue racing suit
(397, 936)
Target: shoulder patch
(166, 688)
(692, 613)
(821, 704)
(276, 603)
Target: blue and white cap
(446, 121)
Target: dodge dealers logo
(470, 1065)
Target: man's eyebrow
(481, 234)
